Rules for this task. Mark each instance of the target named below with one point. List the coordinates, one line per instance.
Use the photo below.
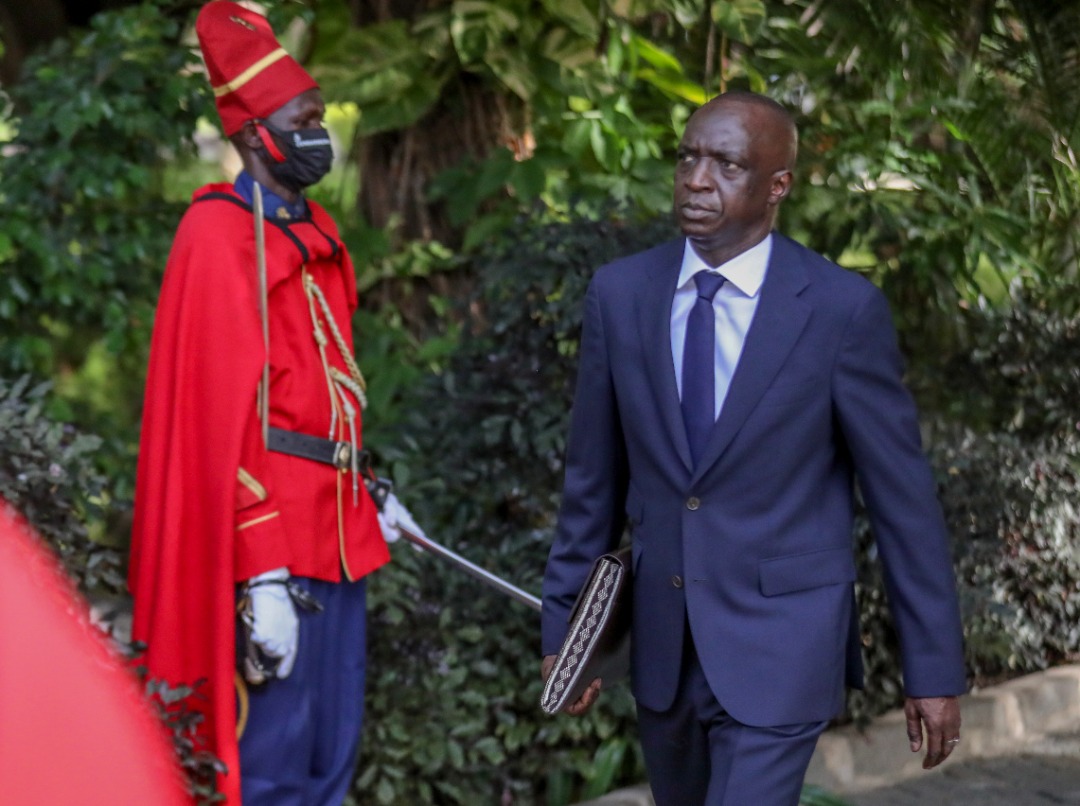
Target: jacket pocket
(811, 569)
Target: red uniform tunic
(212, 505)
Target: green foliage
(914, 121)
(454, 685)
(1022, 361)
(47, 472)
(405, 329)
(1006, 448)
(97, 117)
(86, 229)
(910, 171)
(200, 767)
(588, 98)
(816, 796)
(1011, 509)
(1017, 529)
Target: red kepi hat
(251, 74)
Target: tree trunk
(396, 166)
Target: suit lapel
(654, 319)
(778, 321)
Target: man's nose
(700, 176)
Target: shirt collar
(274, 207)
(745, 271)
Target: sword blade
(472, 569)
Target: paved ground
(1021, 747)
(1045, 773)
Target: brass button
(676, 581)
(693, 503)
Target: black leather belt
(326, 451)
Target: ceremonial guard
(253, 529)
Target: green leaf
(477, 26)
(606, 763)
(576, 15)
(816, 796)
(385, 792)
(688, 13)
(527, 178)
(511, 67)
(742, 20)
(387, 111)
(675, 85)
(599, 143)
(656, 56)
(566, 49)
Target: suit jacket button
(676, 581)
(693, 503)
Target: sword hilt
(379, 489)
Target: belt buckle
(343, 456)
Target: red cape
(206, 358)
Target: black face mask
(307, 154)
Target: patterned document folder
(598, 642)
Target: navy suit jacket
(753, 546)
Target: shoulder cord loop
(346, 354)
(337, 381)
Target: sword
(379, 489)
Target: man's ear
(781, 186)
(248, 136)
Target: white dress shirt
(734, 304)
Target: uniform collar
(274, 207)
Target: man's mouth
(696, 211)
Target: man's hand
(941, 716)
(275, 626)
(394, 517)
(588, 697)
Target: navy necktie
(699, 366)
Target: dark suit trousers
(697, 755)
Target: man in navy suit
(727, 417)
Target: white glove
(395, 515)
(275, 628)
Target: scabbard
(473, 570)
(264, 310)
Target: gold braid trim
(250, 73)
(349, 384)
(257, 521)
(243, 705)
(339, 341)
(320, 340)
(252, 483)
